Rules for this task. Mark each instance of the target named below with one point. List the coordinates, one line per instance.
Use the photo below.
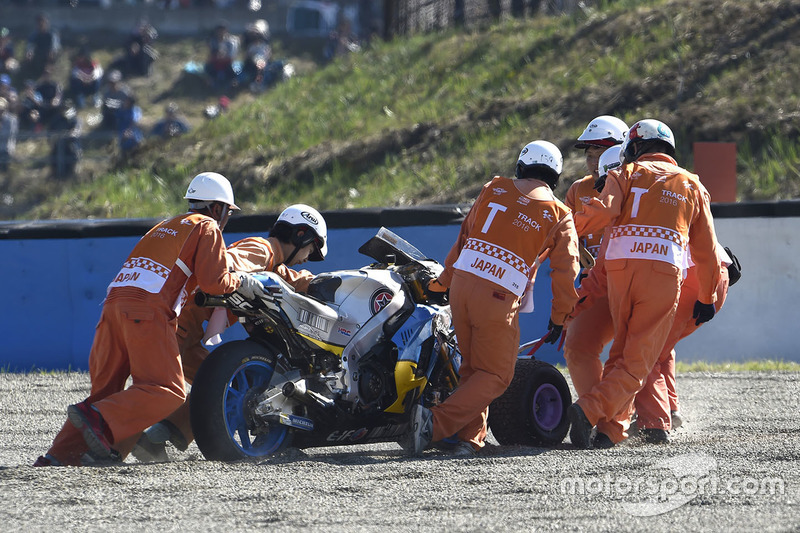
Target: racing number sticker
(380, 299)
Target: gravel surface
(733, 466)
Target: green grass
(430, 118)
(760, 365)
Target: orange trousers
(486, 321)
(643, 297)
(190, 343)
(586, 336)
(134, 338)
(659, 395)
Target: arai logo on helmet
(524, 151)
(192, 191)
(311, 218)
(663, 131)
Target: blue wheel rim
(253, 374)
(547, 408)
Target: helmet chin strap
(288, 260)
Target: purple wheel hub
(547, 409)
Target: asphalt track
(734, 466)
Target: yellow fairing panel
(405, 381)
(337, 350)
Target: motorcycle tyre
(217, 383)
(513, 416)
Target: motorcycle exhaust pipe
(297, 391)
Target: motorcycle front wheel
(533, 410)
(223, 396)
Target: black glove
(734, 269)
(553, 333)
(703, 312)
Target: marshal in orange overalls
(136, 333)
(655, 208)
(511, 223)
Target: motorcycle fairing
(414, 340)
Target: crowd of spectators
(47, 107)
(40, 104)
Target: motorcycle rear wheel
(533, 410)
(221, 402)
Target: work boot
(90, 459)
(149, 450)
(464, 449)
(421, 433)
(601, 441)
(677, 419)
(46, 460)
(580, 432)
(95, 431)
(655, 436)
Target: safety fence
(404, 17)
(60, 270)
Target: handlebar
(210, 300)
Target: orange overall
(511, 224)
(659, 395)
(590, 327)
(253, 254)
(655, 208)
(136, 333)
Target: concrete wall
(54, 290)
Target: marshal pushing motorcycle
(344, 364)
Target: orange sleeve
(704, 249)
(565, 265)
(252, 254)
(603, 210)
(211, 262)
(298, 279)
(255, 254)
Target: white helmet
(647, 130)
(211, 187)
(541, 153)
(604, 130)
(303, 217)
(609, 160)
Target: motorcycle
(344, 363)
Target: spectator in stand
(172, 125)
(51, 92)
(222, 51)
(8, 92)
(8, 135)
(8, 63)
(129, 133)
(30, 106)
(258, 52)
(65, 130)
(116, 92)
(85, 78)
(341, 41)
(139, 55)
(43, 47)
